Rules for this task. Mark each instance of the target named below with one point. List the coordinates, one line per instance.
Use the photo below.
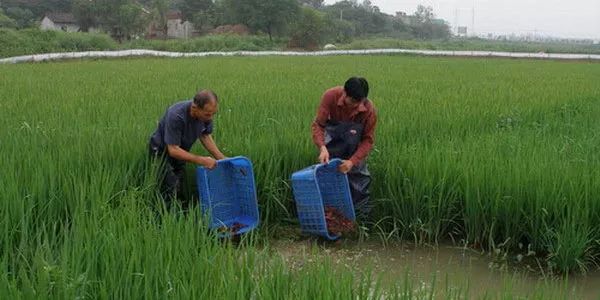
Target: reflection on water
(450, 266)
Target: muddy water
(451, 268)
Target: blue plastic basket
(228, 194)
(315, 188)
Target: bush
(208, 43)
(6, 21)
(309, 29)
(339, 31)
(35, 41)
(469, 45)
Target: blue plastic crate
(315, 188)
(228, 194)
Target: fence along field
(499, 154)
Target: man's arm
(318, 125)
(208, 143)
(177, 153)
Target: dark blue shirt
(177, 127)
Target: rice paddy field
(490, 154)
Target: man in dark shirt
(345, 128)
(182, 124)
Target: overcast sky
(560, 18)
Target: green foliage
(22, 16)
(191, 8)
(313, 3)
(209, 43)
(125, 19)
(34, 41)
(339, 31)
(309, 29)
(130, 21)
(495, 153)
(85, 12)
(6, 22)
(268, 16)
(367, 19)
(122, 19)
(38, 7)
(470, 45)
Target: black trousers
(171, 176)
(342, 140)
(359, 180)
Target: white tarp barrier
(153, 53)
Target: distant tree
(123, 19)
(425, 26)
(22, 16)
(308, 30)
(269, 16)
(205, 19)
(160, 9)
(5, 21)
(398, 28)
(312, 3)
(132, 21)
(191, 8)
(399, 25)
(85, 13)
(339, 31)
(367, 19)
(440, 30)
(367, 4)
(222, 14)
(38, 7)
(424, 14)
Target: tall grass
(35, 41)
(472, 45)
(209, 43)
(494, 153)
(502, 151)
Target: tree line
(307, 23)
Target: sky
(557, 18)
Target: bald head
(204, 97)
(204, 105)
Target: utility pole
(456, 20)
(473, 19)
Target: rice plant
(489, 153)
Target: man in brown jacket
(345, 128)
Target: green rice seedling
(482, 152)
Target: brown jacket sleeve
(318, 125)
